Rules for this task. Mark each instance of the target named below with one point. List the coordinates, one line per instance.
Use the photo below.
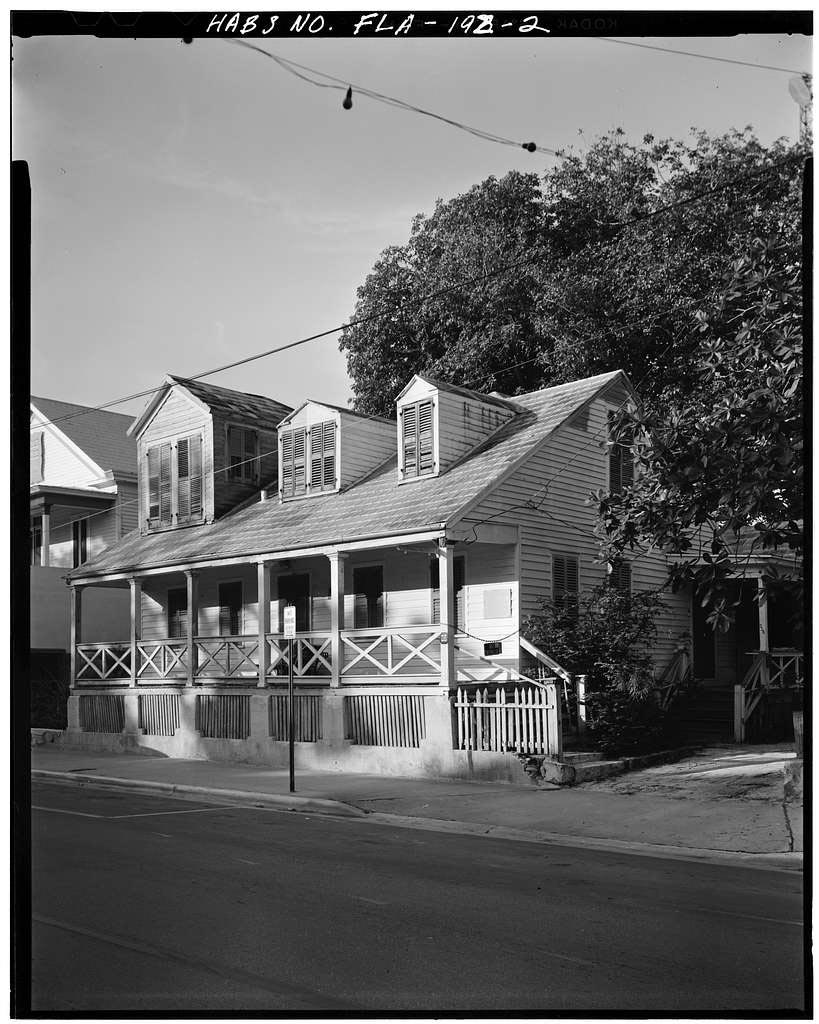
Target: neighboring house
(83, 494)
(412, 551)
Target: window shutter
(565, 582)
(329, 453)
(620, 577)
(195, 470)
(287, 463)
(558, 576)
(177, 612)
(299, 480)
(183, 483)
(626, 464)
(36, 457)
(316, 464)
(409, 439)
(426, 447)
(459, 565)
(230, 609)
(165, 483)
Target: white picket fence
(519, 719)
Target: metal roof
(377, 506)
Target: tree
(720, 468)
(601, 280)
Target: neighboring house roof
(234, 405)
(101, 434)
(378, 506)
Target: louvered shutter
(36, 457)
(177, 612)
(329, 456)
(425, 440)
(195, 455)
(620, 577)
(299, 443)
(565, 582)
(459, 569)
(230, 609)
(316, 448)
(626, 463)
(183, 483)
(165, 483)
(409, 439)
(287, 463)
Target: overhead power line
(294, 68)
(700, 56)
(456, 286)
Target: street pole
(290, 729)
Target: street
(146, 903)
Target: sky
(194, 204)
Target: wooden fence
(225, 717)
(306, 717)
(385, 720)
(522, 720)
(102, 712)
(158, 713)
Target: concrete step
(592, 771)
(581, 756)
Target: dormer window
(175, 497)
(242, 454)
(313, 447)
(417, 439)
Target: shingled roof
(378, 506)
(101, 434)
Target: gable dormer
(438, 424)
(323, 449)
(201, 450)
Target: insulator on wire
(348, 99)
(530, 146)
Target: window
(459, 572)
(242, 454)
(36, 457)
(178, 612)
(368, 588)
(323, 456)
(621, 463)
(417, 443)
(565, 582)
(620, 576)
(314, 446)
(230, 609)
(185, 501)
(36, 542)
(79, 535)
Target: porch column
(136, 626)
(76, 629)
(192, 581)
(45, 536)
(263, 592)
(337, 561)
(446, 583)
(764, 643)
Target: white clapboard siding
(127, 496)
(564, 524)
(463, 423)
(365, 444)
(62, 465)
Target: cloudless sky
(192, 204)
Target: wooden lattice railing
(779, 669)
(405, 650)
(311, 654)
(103, 662)
(227, 657)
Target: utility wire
(458, 285)
(332, 82)
(700, 56)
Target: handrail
(544, 659)
(513, 671)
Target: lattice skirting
(388, 720)
(306, 718)
(159, 713)
(102, 712)
(223, 717)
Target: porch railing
(311, 654)
(675, 676)
(162, 659)
(103, 662)
(227, 657)
(779, 669)
(403, 650)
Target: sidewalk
(721, 803)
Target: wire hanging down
(294, 68)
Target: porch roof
(378, 506)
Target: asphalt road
(143, 903)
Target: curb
(291, 802)
(790, 862)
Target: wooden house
(412, 551)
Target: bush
(49, 703)
(607, 636)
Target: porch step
(581, 756)
(592, 771)
(707, 716)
